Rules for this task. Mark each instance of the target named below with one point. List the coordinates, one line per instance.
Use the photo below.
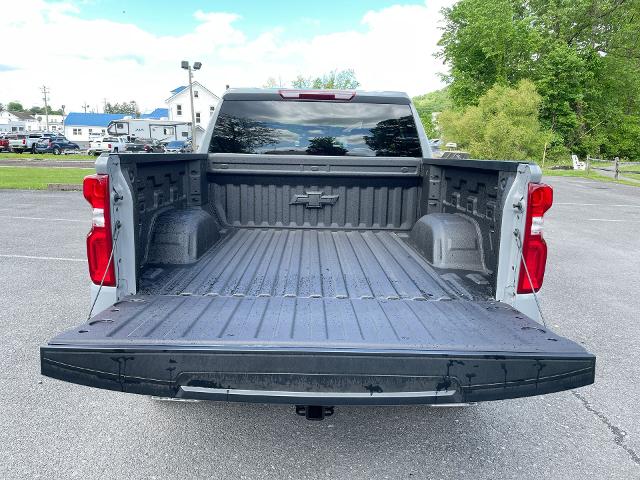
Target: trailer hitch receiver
(314, 412)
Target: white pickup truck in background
(26, 141)
(107, 144)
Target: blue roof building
(90, 119)
(178, 90)
(82, 127)
(158, 113)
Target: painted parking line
(33, 257)
(598, 204)
(611, 220)
(45, 218)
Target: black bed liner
(311, 263)
(365, 318)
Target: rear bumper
(317, 377)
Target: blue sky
(131, 50)
(299, 19)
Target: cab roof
(361, 96)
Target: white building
(205, 103)
(83, 127)
(56, 122)
(17, 122)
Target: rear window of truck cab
(315, 128)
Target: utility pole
(85, 106)
(45, 92)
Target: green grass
(623, 168)
(46, 156)
(37, 178)
(591, 175)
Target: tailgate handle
(219, 393)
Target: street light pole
(196, 66)
(193, 113)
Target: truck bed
(328, 289)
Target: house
(10, 123)
(82, 127)
(204, 104)
(56, 122)
(17, 122)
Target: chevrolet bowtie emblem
(313, 199)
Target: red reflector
(534, 248)
(339, 95)
(99, 243)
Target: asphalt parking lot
(52, 429)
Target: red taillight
(344, 95)
(99, 244)
(109, 145)
(534, 248)
(24, 141)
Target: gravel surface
(51, 429)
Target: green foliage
(429, 103)
(503, 126)
(582, 55)
(272, 82)
(35, 110)
(326, 146)
(15, 107)
(340, 80)
(125, 108)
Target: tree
(15, 107)
(273, 82)
(326, 146)
(125, 108)
(582, 55)
(387, 138)
(430, 103)
(339, 80)
(503, 126)
(2, 107)
(35, 110)
(241, 135)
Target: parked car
(379, 275)
(56, 145)
(178, 146)
(26, 141)
(154, 146)
(18, 143)
(107, 144)
(4, 143)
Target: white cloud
(89, 60)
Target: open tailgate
(317, 351)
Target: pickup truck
(107, 144)
(314, 254)
(24, 142)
